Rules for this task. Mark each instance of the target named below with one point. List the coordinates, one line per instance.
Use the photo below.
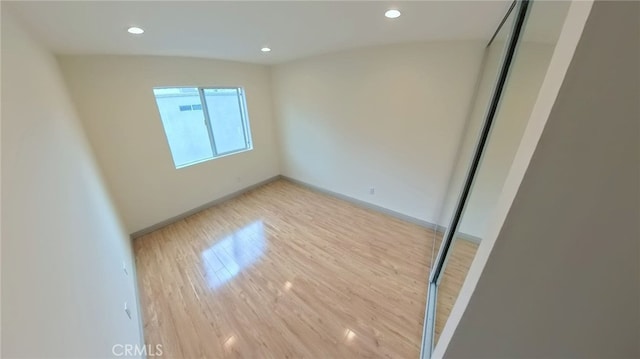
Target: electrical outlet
(126, 310)
(372, 190)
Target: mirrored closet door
(514, 66)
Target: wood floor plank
(285, 272)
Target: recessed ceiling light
(135, 30)
(392, 13)
(265, 49)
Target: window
(195, 135)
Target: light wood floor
(284, 272)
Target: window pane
(183, 121)
(226, 113)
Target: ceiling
(236, 30)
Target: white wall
(63, 248)
(562, 280)
(115, 101)
(388, 117)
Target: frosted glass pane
(225, 108)
(183, 121)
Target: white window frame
(246, 127)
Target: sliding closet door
(463, 251)
(510, 82)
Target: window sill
(213, 158)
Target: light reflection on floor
(225, 259)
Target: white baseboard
(360, 203)
(357, 202)
(210, 204)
